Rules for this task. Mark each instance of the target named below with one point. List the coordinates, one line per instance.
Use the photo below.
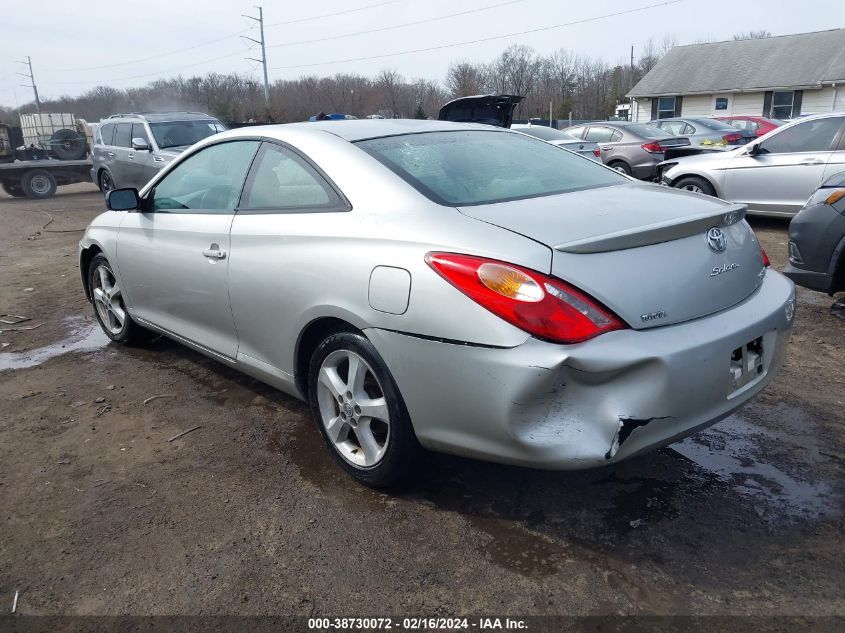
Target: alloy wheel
(108, 300)
(107, 182)
(694, 188)
(353, 408)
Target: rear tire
(106, 182)
(13, 190)
(347, 379)
(621, 166)
(38, 184)
(696, 184)
(109, 305)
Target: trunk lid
(488, 109)
(642, 250)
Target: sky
(75, 46)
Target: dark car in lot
(634, 149)
(817, 239)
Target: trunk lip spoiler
(657, 232)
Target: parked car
(129, 149)
(634, 149)
(704, 131)
(773, 175)
(487, 109)
(758, 125)
(464, 288)
(817, 239)
(561, 139)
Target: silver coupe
(451, 286)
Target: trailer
(40, 178)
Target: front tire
(695, 184)
(360, 412)
(106, 181)
(109, 306)
(13, 190)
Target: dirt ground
(101, 514)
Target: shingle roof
(786, 61)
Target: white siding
(747, 103)
(642, 110)
(818, 101)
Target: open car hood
(488, 109)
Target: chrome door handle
(131, 156)
(110, 154)
(214, 253)
(812, 161)
(158, 159)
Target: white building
(778, 77)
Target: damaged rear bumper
(578, 406)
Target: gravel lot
(101, 514)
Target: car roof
(155, 117)
(361, 129)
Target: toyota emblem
(716, 240)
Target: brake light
(652, 148)
(766, 262)
(543, 306)
(597, 152)
(732, 138)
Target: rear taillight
(732, 138)
(766, 262)
(652, 148)
(597, 152)
(543, 306)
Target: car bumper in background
(578, 406)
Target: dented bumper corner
(578, 406)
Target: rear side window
(123, 135)
(809, 136)
(598, 134)
(483, 167)
(106, 133)
(282, 181)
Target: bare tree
(753, 35)
(464, 79)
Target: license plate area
(746, 364)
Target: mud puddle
(736, 452)
(84, 337)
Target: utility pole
(263, 60)
(631, 87)
(31, 84)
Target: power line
(31, 78)
(219, 39)
(334, 13)
(483, 39)
(398, 26)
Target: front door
(787, 168)
(173, 256)
(142, 164)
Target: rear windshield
(181, 133)
(646, 131)
(545, 133)
(483, 167)
(714, 124)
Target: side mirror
(140, 144)
(123, 200)
(753, 149)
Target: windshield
(545, 133)
(183, 133)
(483, 167)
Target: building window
(721, 103)
(782, 104)
(665, 107)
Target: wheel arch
(309, 338)
(86, 256)
(695, 174)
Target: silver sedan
(450, 286)
(774, 175)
